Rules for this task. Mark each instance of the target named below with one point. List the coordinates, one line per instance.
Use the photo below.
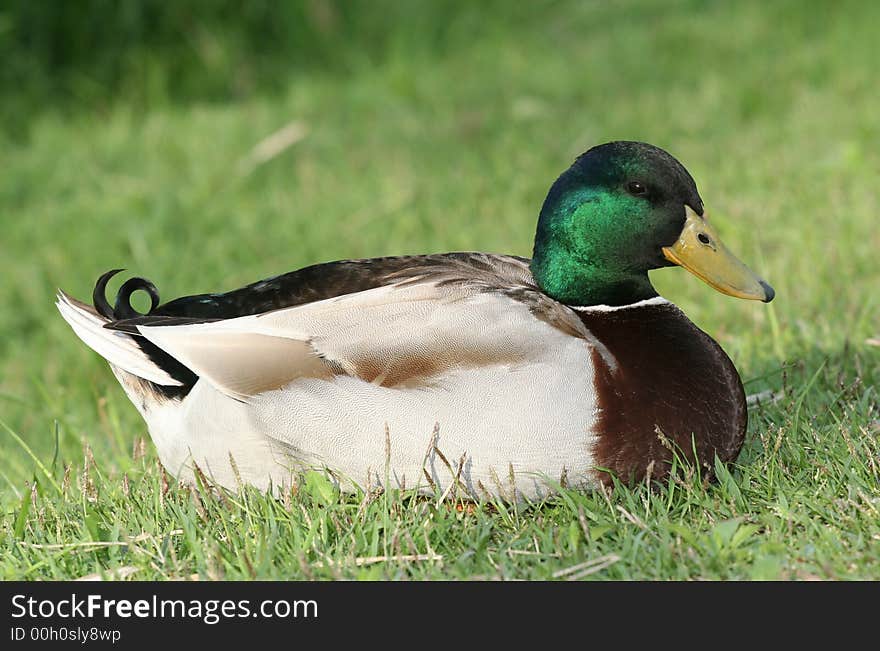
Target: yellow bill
(699, 250)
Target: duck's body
(431, 371)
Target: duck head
(622, 209)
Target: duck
(493, 375)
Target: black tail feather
(122, 308)
(99, 295)
(123, 311)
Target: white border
(656, 300)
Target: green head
(622, 209)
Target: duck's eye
(637, 188)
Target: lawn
(441, 144)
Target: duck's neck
(579, 256)
(573, 283)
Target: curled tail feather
(123, 308)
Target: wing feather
(392, 335)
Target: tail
(119, 348)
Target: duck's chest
(662, 385)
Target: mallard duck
(501, 376)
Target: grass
(770, 108)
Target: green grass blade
(21, 442)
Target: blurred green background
(130, 131)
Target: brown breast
(670, 376)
